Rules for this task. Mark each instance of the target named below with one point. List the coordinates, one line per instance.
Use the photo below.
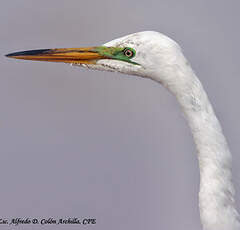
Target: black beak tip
(28, 53)
(9, 55)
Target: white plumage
(162, 60)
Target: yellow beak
(87, 55)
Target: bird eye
(128, 52)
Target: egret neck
(216, 195)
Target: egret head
(140, 54)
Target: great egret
(153, 55)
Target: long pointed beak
(87, 55)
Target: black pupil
(128, 53)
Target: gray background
(79, 143)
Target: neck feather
(216, 195)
